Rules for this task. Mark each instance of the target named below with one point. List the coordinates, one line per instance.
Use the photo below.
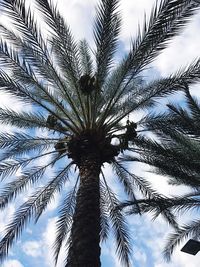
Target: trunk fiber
(84, 250)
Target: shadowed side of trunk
(84, 249)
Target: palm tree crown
(82, 100)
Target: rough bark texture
(84, 250)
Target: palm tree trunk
(84, 250)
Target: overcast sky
(34, 248)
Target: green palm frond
(31, 146)
(33, 207)
(166, 20)
(106, 31)
(143, 185)
(63, 40)
(118, 225)
(86, 60)
(175, 154)
(38, 51)
(20, 184)
(64, 220)
(191, 229)
(179, 204)
(8, 168)
(67, 55)
(11, 85)
(11, 140)
(25, 74)
(22, 119)
(160, 206)
(127, 183)
(54, 185)
(177, 159)
(105, 226)
(148, 94)
(183, 119)
(123, 177)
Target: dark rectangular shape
(191, 247)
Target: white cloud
(12, 263)
(5, 217)
(79, 15)
(6, 101)
(195, 91)
(32, 248)
(54, 202)
(29, 231)
(132, 16)
(182, 51)
(42, 249)
(180, 260)
(140, 256)
(160, 183)
(108, 250)
(149, 237)
(48, 238)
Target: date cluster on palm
(87, 84)
(61, 147)
(53, 123)
(89, 142)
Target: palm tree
(176, 155)
(82, 101)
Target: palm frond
(54, 185)
(143, 185)
(104, 215)
(47, 71)
(12, 140)
(37, 49)
(17, 186)
(67, 54)
(86, 60)
(31, 208)
(11, 85)
(24, 146)
(127, 183)
(106, 31)
(22, 119)
(171, 158)
(24, 74)
(8, 168)
(118, 224)
(147, 95)
(156, 205)
(193, 104)
(191, 229)
(166, 20)
(63, 40)
(64, 220)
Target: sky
(33, 249)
